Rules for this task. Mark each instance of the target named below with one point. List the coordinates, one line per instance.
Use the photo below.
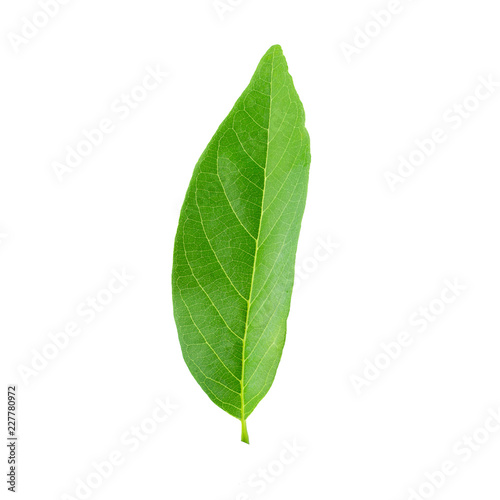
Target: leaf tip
(276, 50)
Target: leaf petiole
(244, 432)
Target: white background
(119, 209)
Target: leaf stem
(244, 432)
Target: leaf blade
(235, 247)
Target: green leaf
(235, 247)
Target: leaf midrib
(249, 302)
